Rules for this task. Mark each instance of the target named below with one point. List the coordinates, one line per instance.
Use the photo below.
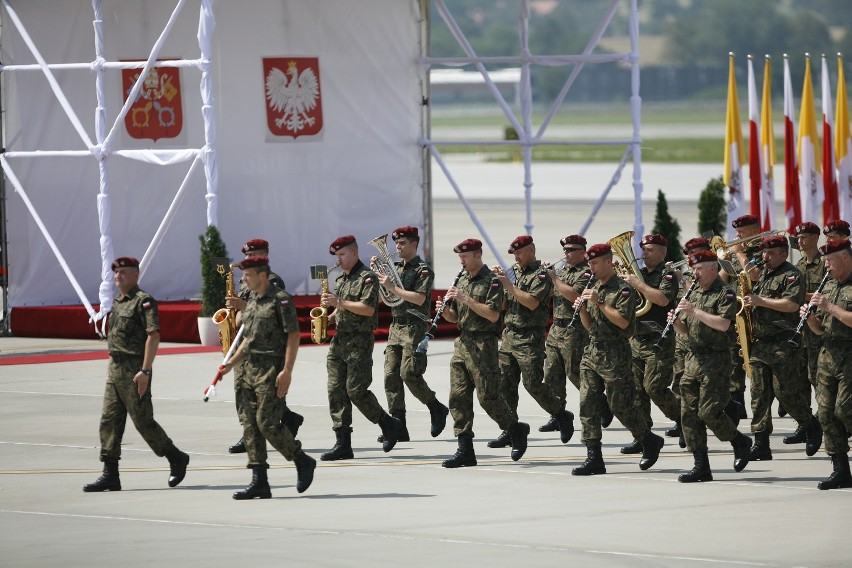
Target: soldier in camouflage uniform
(133, 336)
(402, 361)
(257, 247)
(522, 350)
(608, 312)
(833, 322)
(777, 296)
(474, 303)
(653, 360)
(565, 343)
(266, 358)
(350, 357)
(703, 320)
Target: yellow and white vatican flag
(810, 179)
(843, 147)
(761, 147)
(733, 152)
(830, 207)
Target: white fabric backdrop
(363, 175)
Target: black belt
(124, 357)
(405, 321)
(831, 341)
(524, 330)
(478, 333)
(561, 322)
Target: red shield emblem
(293, 96)
(157, 111)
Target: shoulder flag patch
(791, 278)
(625, 293)
(669, 276)
(368, 280)
(285, 302)
(542, 276)
(424, 271)
(730, 295)
(495, 284)
(146, 305)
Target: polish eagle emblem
(293, 97)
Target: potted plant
(212, 285)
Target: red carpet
(39, 358)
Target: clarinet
(577, 311)
(797, 335)
(670, 324)
(424, 344)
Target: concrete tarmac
(396, 509)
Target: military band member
(257, 247)
(133, 336)
(653, 362)
(703, 321)
(474, 303)
(833, 323)
(350, 357)
(836, 231)
(608, 312)
(266, 358)
(402, 361)
(777, 296)
(522, 349)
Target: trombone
(718, 244)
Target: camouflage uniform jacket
(268, 319)
(813, 271)
(839, 294)
(483, 287)
(620, 295)
(535, 281)
(784, 282)
(360, 285)
(274, 280)
(665, 280)
(719, 299)
(416, 276)
(577, 277)
(131, 319)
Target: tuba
(623, 248)
(385, 266)
(226, 318)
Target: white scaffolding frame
(105, 146)
(527, 139)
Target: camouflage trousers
(681, 349)
(120, 400)
(474, 367)
(239, 378)
(704, 395)
(563, 350)
(812, 343)
(404, 365)
(605, 371)
(653, 374)
(350, 373)
(834, 395)
(775, 373)
(260, 410)
(522, 355)
(737, 380)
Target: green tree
(212, 283)
(711, 208)
(666, 225)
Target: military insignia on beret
(146, 305)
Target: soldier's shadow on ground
(360, 496)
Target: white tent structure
(80, 192)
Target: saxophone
(319, 315)
(743, 322)
(226, 318)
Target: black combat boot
(293, 421)
(840, 477)
(742, 447)
(402, 434)
(464, 456)
(565, 419)
(606, 414)
(813, 436)
(108, 481)
(438, 416)
(635, 447)
(305, 466)
(177, 465)
(797, 437)
(550, 426)
(675, 432)
(782, 412)
(519, 432)
(760, 451)
(502, 441)
(238, 448)
(391, 429)
(700, 471)
(342, 449)
(651, 446)
(732, 409)
(594, 464)
(739, 398)
(258, 488)
(681, 441)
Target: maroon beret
(405, 233)
(835, 246)
(341, 242)
(702, 256)
(573, 240)
(840, 227)
(744, 221)
(596, 251)
(519, 243)
(468, 245)
(806, 228)
(696, 243)
(654, 240)
(125, 261)
(254, 245)
(774, 241)
(254, 262)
